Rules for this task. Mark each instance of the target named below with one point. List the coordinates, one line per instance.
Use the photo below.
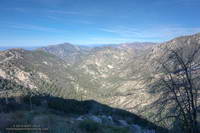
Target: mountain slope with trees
(124, 76)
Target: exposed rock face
(28, 69)
(3, 74)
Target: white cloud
(179, 2)
(64, 12)
(50, 2)
(84, 22)
(159, 33)
(96, 12)
(106, 40)
(17, 9)
(34, 27)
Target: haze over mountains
(117, 75)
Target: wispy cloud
(161, 33)
(122, 31)
(29, 27)
(18, 9)
(64, 20)
(84, 22)
(78, 13)
(188, 2)
(64, 12)
(53, 17)
(179, 2)
(105, 40)
(50, 2)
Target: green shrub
(123, 113)
(18, 115)
(35, 100)
(112, 129)
(68, 106)
(89, 126)
(93, 127)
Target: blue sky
(33, 23)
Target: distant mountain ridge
(27, 48)
(117, 75)
(67, 51)
(70, 52)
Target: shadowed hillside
(61, 115)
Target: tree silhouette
(179, 83)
